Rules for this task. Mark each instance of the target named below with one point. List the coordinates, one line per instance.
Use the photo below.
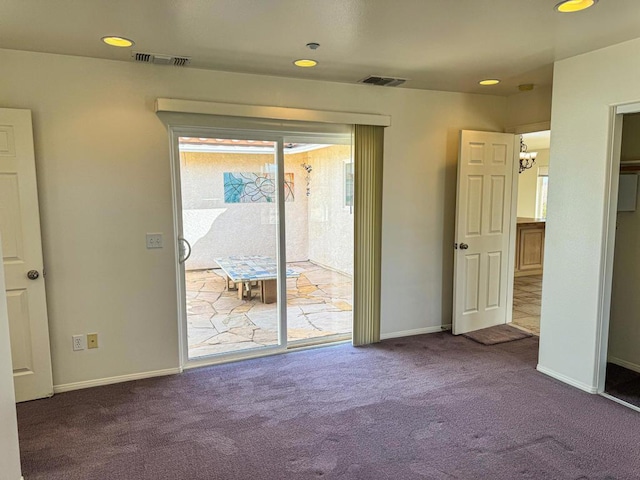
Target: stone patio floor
(319, 304)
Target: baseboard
(415, 331)
(67, 387)
(624, 364)
(564, 379)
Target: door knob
(463, 246)
(33, 274)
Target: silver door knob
(463, 246)
(33, 274)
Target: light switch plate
(154, 240)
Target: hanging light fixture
(527, 159)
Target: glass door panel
(319, 238)
(230, 226)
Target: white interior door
(22, 258)
(483, 267)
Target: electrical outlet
(154, 240)
(79, 342)
(92, 340)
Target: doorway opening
(266, 233)
(622, 379)
(533, 185)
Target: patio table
(245, 270)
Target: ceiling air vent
(383, 81)
(159, 59)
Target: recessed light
(489, 81)
(118, 41)
(305, 63)
(570, 6)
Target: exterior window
(348, 184)
(541, 192)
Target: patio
(319, 304)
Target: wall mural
(247, 187)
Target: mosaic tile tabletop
(251, 267)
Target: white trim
(605, 279)
(628, 108)
(564, 379)
(274, 113)
(67, 387)
(623, 363)
(513, 229)
(415, 331)
(621, 402)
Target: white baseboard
(623, 363)
(564, 379)
(67, 387)
(415, 331)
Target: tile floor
(319, 304)
(527, 293)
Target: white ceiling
(436, 44)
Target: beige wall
(528, 108)
(330, 222)
(528, 185)
(585, 87)
(218, 229)
(104, 180)
(631, 135)
(9, 453)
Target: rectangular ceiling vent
(382, 81)
(159, 59)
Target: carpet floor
(426, 407)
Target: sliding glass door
(230, 203)
(265, 241)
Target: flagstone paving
(319, 304)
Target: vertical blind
(368, 145)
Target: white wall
(217, 229)
(9, 453)
(584, 88)
(104, 181)
(330, 222)
(528, 185)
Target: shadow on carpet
(623, 383)
(497, 334)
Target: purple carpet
(427, 407)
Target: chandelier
(527, 159)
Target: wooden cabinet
(529, 247)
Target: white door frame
(518, 130)
(174, 133)
(614, 148)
